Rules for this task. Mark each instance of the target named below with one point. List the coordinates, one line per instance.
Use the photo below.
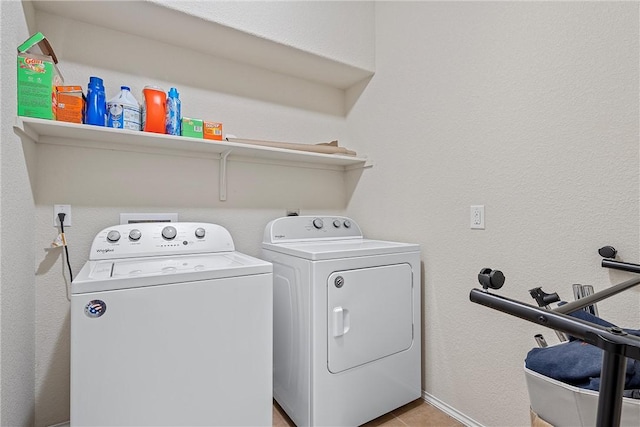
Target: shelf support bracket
(22, 131)
(223, 175)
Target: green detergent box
(192, 127)
(37, 79)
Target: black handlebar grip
(607, 252)
(543, 298)
(489, 278)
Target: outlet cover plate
(66, 209)
(477, 217)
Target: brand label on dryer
(95, 308)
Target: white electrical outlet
(66, 210)
(477, 217)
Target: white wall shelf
(333, 76)
(197, 33)
(78, 135)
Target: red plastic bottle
(154, 109)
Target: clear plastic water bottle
(123, 110)
(96, 112)
(174, 113)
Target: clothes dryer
(170, 326)
(347, 342)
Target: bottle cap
(95, 80)
(125, 88)
(173, 92)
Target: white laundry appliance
(170, 326)
(347, 343)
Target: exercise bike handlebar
(616, 344)
(619, 265)
(609, 339)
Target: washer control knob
(169, 233)
(113, 236)
(347, 223)
(317, 223)
(135, 235)
(336, 223)
(199, 232)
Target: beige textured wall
(531, 109)
(17, 220)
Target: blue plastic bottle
(174, 113)
(96, 113)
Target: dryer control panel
(302, 228)
(160, 238)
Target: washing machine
(171, 326)
(346, 326)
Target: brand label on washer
(95, 308)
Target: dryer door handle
(340, 321)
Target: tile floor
(415, 414)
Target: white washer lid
(105, 275)
(334, 249)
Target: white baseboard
(452, 412)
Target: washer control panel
(302, 228)
(160, 238)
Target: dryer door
(370, 315)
